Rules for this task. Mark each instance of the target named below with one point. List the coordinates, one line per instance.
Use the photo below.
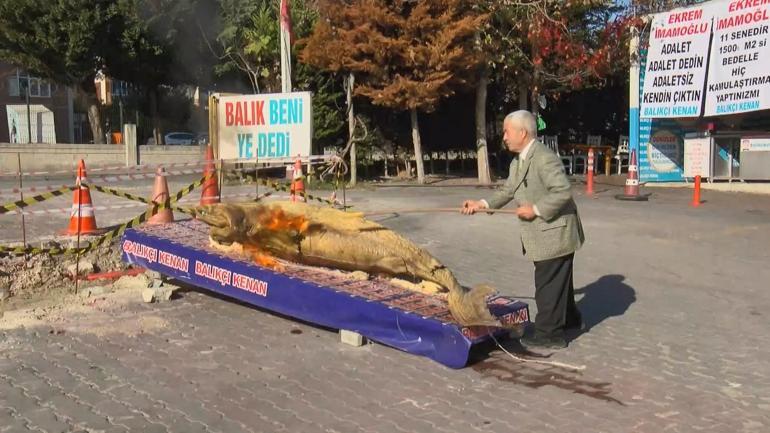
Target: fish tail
(469, 307)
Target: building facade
(48, 118)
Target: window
(38, 87)
(120, 88)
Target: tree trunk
(385, 163)
(432, 163)
(482, 151)
(95, 120)
(417, 147)
(446, 167)
(94, 115)
(534, 102)
(523, 94)
(351, 129)
(156, 129)
(536, 91)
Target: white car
(186, 138)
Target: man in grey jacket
(551, 231)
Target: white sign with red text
(265, 126)
(697, 157)
(739, 70)
(676, 63)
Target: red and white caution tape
(140, 167)
(73, 210)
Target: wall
(58, 157)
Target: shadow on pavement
(607, 297)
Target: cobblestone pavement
(675, 298)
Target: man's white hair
(524, 120)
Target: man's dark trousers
(555, 296)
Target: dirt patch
(27, 279)
(110, 312)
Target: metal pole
(221, 179)
(29, 116)
(120, 106)
(77, 255)
(21, 196)
(137, 128)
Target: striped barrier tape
(107, 237)
(31, 189)
(67, 210)
(303, 160)
(7, 207)
(287, 188)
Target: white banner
(676, 63)
(266, 126)
(739, 71)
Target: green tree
(247, 42)
(157, 44)
(540, 48)
(61, 40)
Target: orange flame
(262, 258)
(277, 220)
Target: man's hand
(526, 212)
(471, 206)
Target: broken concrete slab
(129, 282)
(84, 267)
(159, 294)
(96, 291)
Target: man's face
(515, 138)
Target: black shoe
(543, 342)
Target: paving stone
(663, 351)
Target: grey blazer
(541, 181)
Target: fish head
(227, 221)
(215, 215)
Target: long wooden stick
(439, 209)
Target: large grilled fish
(323, 236)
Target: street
(675, 299)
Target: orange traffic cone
(631, 191)
(82, 218)
(210, 191)
(159, 195)
(297, 184)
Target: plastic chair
(621, 156)
(552, 142)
